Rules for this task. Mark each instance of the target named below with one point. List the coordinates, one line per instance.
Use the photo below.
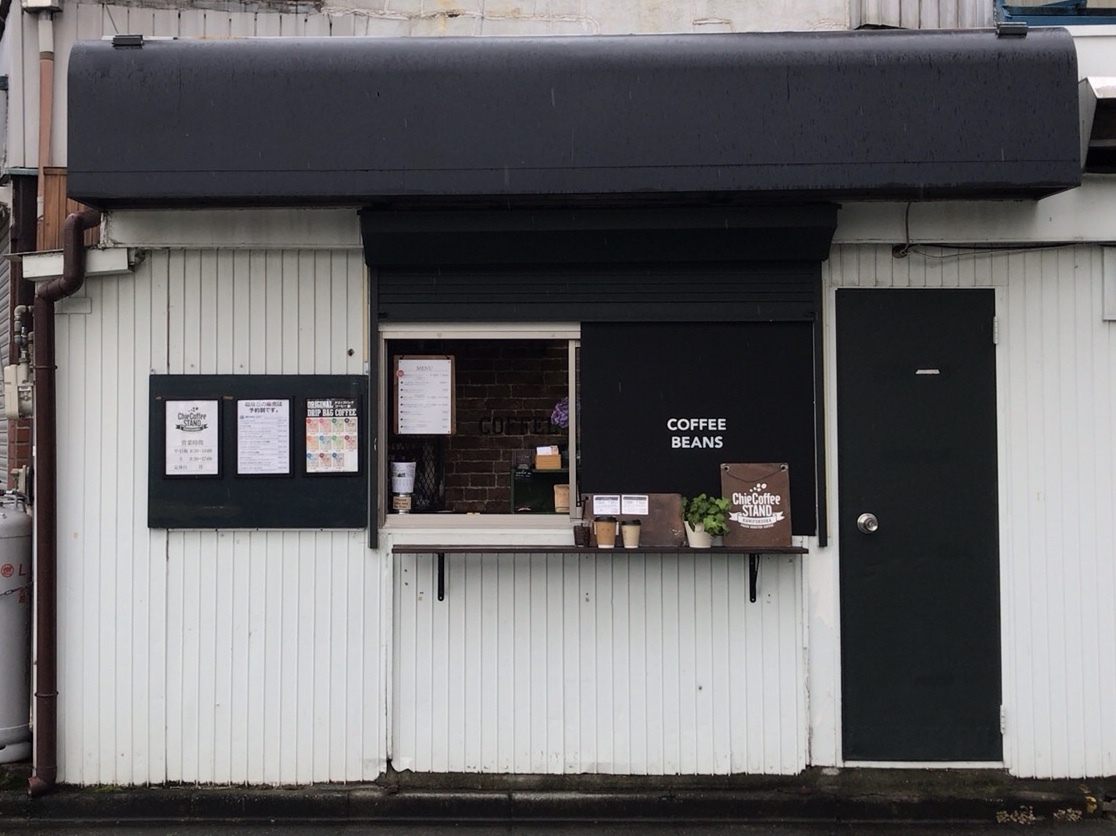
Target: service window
(518, 422)
(479, 422)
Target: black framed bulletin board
(258, 451)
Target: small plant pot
(698, 538)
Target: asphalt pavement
(817, 801)
(1084, 828)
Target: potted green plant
(704, 517)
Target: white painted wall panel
(203, 656)
(926, 14)
(1061, 442)
(1056, 370)
(620, 664)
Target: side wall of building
(266, 657)
(235, 656)
(1056, 371)
(624, 666)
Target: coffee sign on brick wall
(759, 510)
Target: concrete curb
(853, 795)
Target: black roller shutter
(594, 293)
(584, 265)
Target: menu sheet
(424, 395)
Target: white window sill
(479, 529)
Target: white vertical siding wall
(202, 656)
(1056, 370)
(925, 14)
(1060, 441)
(611, 663)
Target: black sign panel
(663, 405)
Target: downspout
(45, 745)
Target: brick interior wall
(505, 391)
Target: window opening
(511, 401)
(1056, 13)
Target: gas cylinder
(15, 630)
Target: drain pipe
(45, 727)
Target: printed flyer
(193, 438)
(331, 436)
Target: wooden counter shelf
(753, 553)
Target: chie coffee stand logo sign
(192, 438)
(759, 511)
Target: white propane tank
(15, 631)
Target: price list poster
(424, 401)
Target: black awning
(814, 116)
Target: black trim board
(374, 492)
(648, 235)
(802, 116)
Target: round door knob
(867, 523)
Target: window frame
(461, 528)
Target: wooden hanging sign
(759, 510)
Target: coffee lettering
(695, 442)
(514, 425)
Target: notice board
(258, 451)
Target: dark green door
(920, 603)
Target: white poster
(193, 440)
(637, 505)
(263, 437)
(424, 395)
(606, 504)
